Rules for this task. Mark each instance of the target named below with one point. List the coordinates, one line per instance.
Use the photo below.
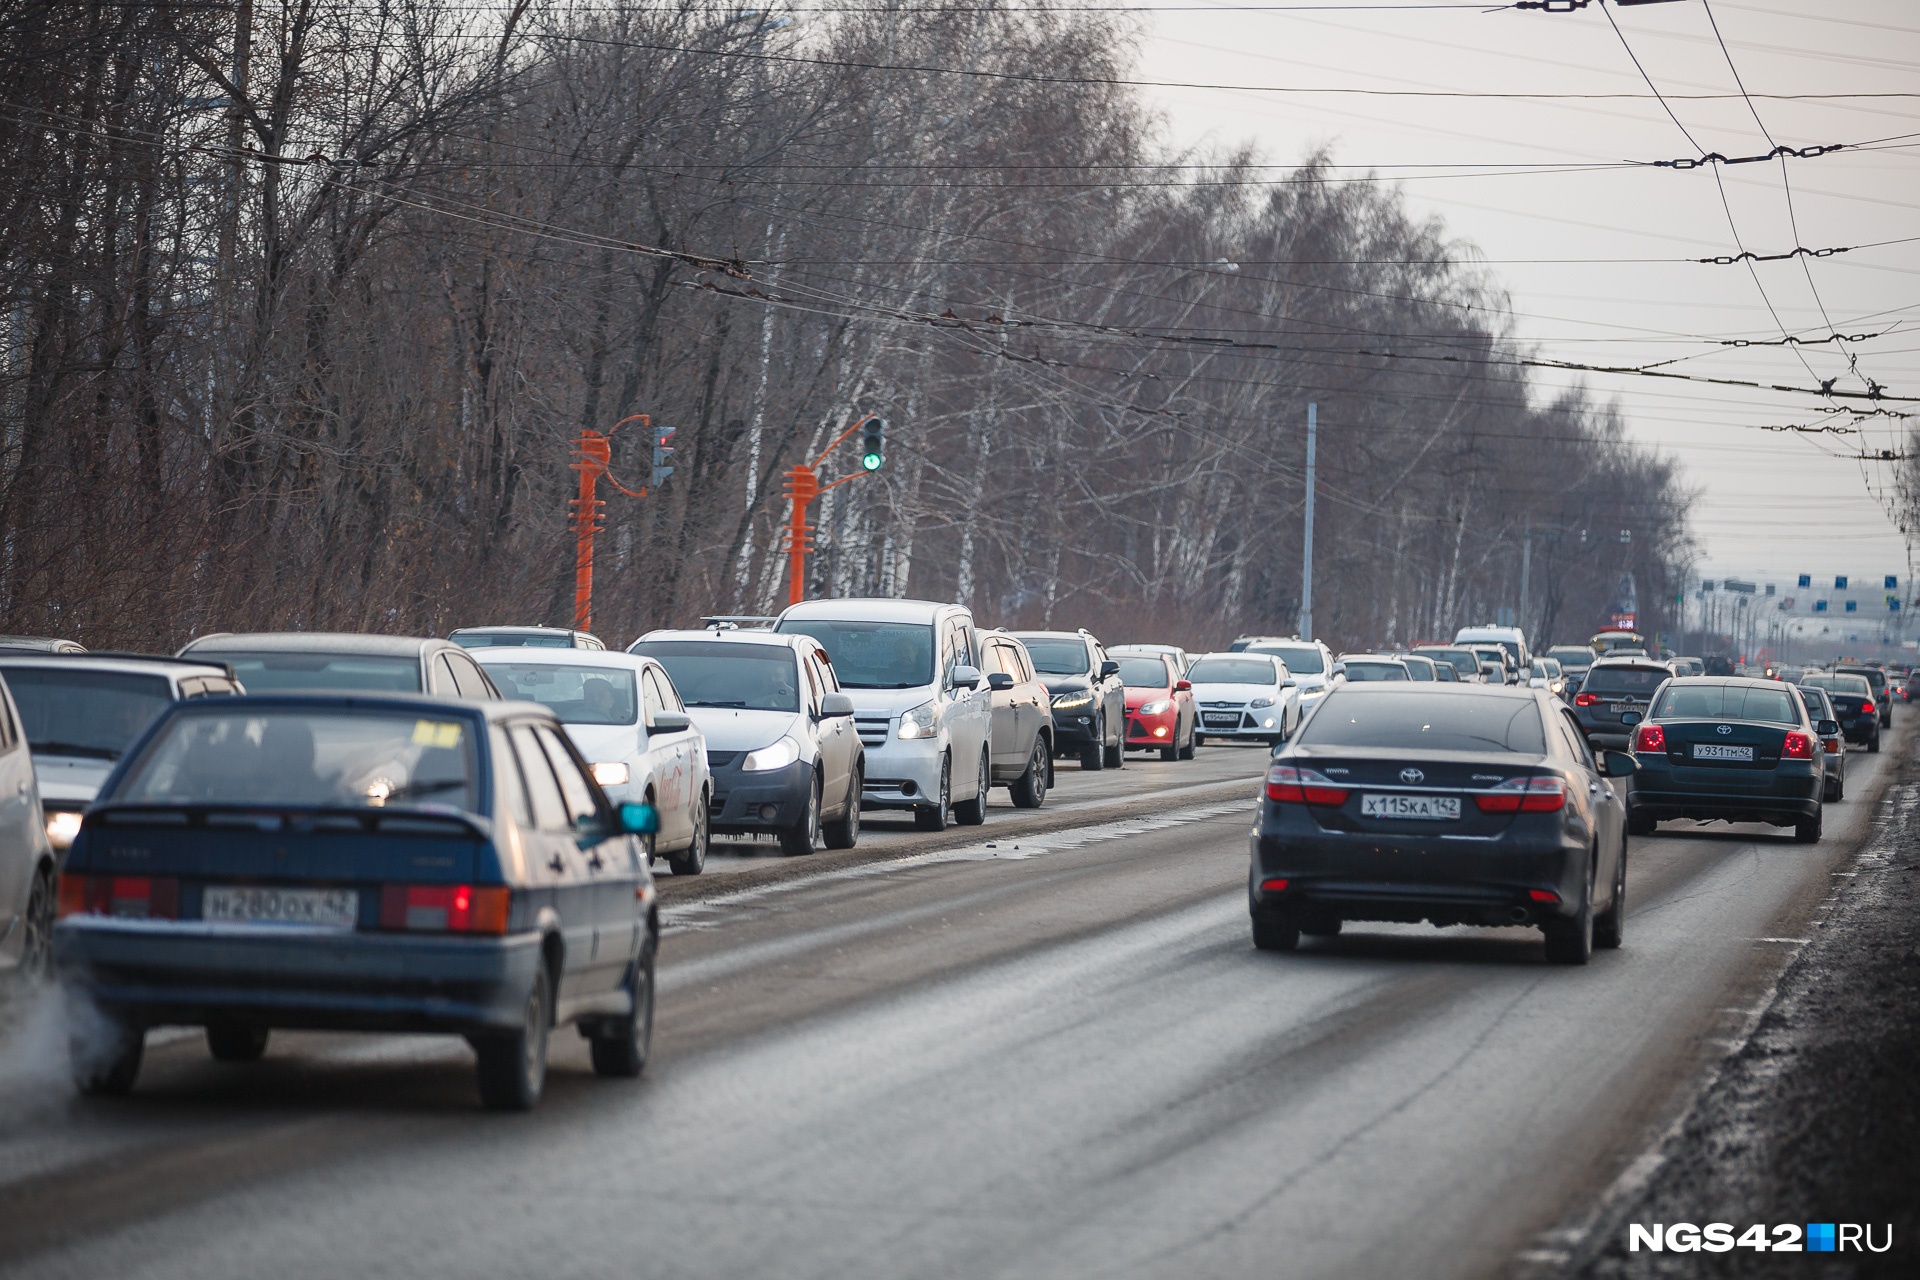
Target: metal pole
(803, 486)
(1306, 559)
(1526, 572)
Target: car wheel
(1640, 824)
(1193, 742)
(936, 816)
(105, 1055)
(1030, 788)
(1199, 741)
(1093, 756)
(692, 860)
(803, 837)
(1117, 753)
(844, 831)
(1571, 941)
(1276, 931)
(620, 1046)
(971, 813)
(1610, 925)
(1807, 830)
(36, 952)
(1873, 745)
(236, 1041)
(513, 1068)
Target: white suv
(923, 711)
(1309, 662)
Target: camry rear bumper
(1497, 881)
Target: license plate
(1429, 808)
(1223, 720)
(323, 908)
(1714, 751)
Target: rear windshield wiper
(73, 749)
(701, 702)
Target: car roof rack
(737, 621)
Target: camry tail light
(444, 908)
(1796, 746)
(1524, 795)
(1650, 738)
(1290, 785)
(128, 897)
(1585, 699)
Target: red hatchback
(1160, 712)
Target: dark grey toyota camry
(1450, 804)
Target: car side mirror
(1618, 764)
(671, 722)
(1109, 668)
(1289, 683)
(965, 677)
(1340, 669)
(1631, 718)
(1183, 686)
(999, 680)
(833, 706)
(1826, 728)
(639, 819)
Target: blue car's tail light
(128, 897)
(444, 908)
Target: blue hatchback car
(369, 863)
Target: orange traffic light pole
(803, 486)
(593, 454)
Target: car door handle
(595, 861)
(555, 864)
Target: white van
(1512, 639)
(923, 711)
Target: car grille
(721, 759)
(872, 729)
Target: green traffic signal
(873, 438)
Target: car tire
(1807, 830)
(1640, 824)
(971, 813)
(620, 1046)
(1117, 753)
(1170, 753)
(512, 1068)
(1873, 744)
(1199, 741)
(1093, 756)
(236, 1041)
(1275, 931)
(1610, 926)
(692, 860)
(105, 1056)
(844, 832)
(1571, 941)
(936, 816)
(803, 837)
(36, 952)
(1193, 743)
(1029, 790)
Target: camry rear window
(1393, 720)
(1727, 702)
(1624, 680)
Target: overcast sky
(1770, 503)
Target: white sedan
(1246, 696)
(627, 719)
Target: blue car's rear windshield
(1411, 720)
(1726, 702)
(305, 759)
(323, 672)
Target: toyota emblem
(1725, 728)
(1411, 776)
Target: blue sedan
(368, 863)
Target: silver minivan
(922, 709)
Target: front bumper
(1782, 797)
(1161, 729)
(1261, 724)
(148, 973)
(902, 773)
(770, 800)
(1073, 727)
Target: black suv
(1613, 687)
(1089, 701)
(1877, 681)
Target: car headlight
(611, 773)
(62, 826)
(778, 756)
(1261, 702)
(1155, 708)
(921, 722)
(1068, 701)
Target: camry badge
(1411, 776)
(1725, 728)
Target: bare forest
(304, 302)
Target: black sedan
(1853, 704)
(1876, 680)
(1451, 804)
(1611, 689)
(395, 863)
(1729, 748)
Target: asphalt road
(1021, 1052)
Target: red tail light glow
(1524, 795)
(1866, 708)
(1543, 895)
(1797, 746)
(1273, 886)
(1585, 699)
(1289, 785)
(128, 897)
(444, 908)
(1650, 738)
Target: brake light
(1524, 795)
(1866, 708)
(1585, 699)
(444, 908)
(1650, 738)
(1797, 746)
(127, 897)
(1273, 886)
(1290, 785)
(1543, 895)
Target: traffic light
(873, 440)
(661, 452)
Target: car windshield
(1870, 675)
(1145, 673)
(1394, 720)
(722, 673)
(1364, 671)
(1459, 659)
(1850, 686)
(1057, 657)
(871, 655)
(76, 712)
(1726, 702)
(1231, 671)
(1623, 679)
(1301, 659)
(323, 672)
(578, 695)
(305, 758)
(511, 640)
